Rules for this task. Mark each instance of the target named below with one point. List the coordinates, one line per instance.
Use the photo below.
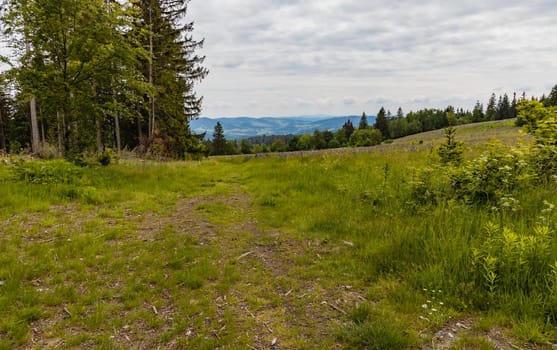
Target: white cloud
(276, 57)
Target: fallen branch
(335, 307)
(244, 255)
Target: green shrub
(451, 150)
(543, 162)
(426, 188)
(47, 173)
(495, 174)
(366, 137)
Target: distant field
(473, 135)
(333, 251)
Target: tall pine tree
(382, 123)
(219, 141)
(363, 122)
(173, 68)
(491, 110)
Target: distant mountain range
(244, 127)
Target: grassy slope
(307, 252)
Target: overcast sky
(306, 57)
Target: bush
(48, 151)
(492, 176)
(426, 188)
(106, 157)
(365, 137)
(47, 173)
(543, 162)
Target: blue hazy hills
(244, 127)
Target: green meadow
(383, 248)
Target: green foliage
(543, 162)
(451, 151)
(511, 265)
(47, 173)
(490, 177)
(427, 188)
(530, 113)
(365, 137)
(106, 157)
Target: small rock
(274, 341)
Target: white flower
(424, 306)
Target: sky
(345, 57)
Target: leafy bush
(366, 137)
(47, 173)
(495, 174)
(543, 162)
(106, 157)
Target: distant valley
(244, 127)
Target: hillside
(244, 127)
(371, 250)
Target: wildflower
(424, 306)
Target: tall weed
(512, 265)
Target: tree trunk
(117, 133)
(151, 58)
(99, 134)
(43, 138)
(2, 135)
(59, 126)
(35, 138)
(35, 142)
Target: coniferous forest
(92, 75)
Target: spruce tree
(514, 105)
(173, 68)
(551, 100)
(491, 110)
(504, 108)
(382, 123)
(219, 141)
(478, 113)
(399, 113)
(363, 122)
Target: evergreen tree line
(386, 127)
(87, 75)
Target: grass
(318, 251)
